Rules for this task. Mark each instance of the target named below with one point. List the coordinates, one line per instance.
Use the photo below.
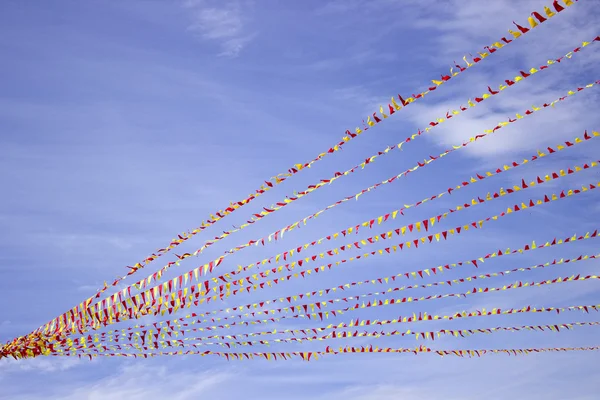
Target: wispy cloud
(38, 364)
(458, 29)
(461, 26)
(140, 382)
(464, 24)
(221, 22)
(568, 118)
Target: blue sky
(124, 123)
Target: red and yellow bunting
(311, 188)
(314, 355)
(61, 322)
(67, 334)
(142, 345)
(511, 352)
(370, 160)
(393, 107)
(317, 310)
(149, 305)
(228, 277)
(534, 20)
(177, 328)
(420, 274)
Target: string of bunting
(370, 160)
(510, 352)
(393, 107)
(424, 335)
(419, 274)
(324, 304)
(477, 261)
(82, 343)
(227, 277)
(318, 312)
(307, 356)
(153, 302)
(311, 188)
(57, 323)
(314, 355)
(53, 337)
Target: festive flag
(278, 206)
(217, 262)
(197, 297)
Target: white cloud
(471, 22)
(138, 382)
(459, 29)
(41, 364)
(549, 127)
(148, 383)
(223, 23)
(478, 22)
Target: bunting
(57, 324)
(323, 182)
(393, 107)
(69, 333)
(396, 301)
(319, 312)
(228, 277)
(414, 318)
(370, 160)
(344, 334)
(420, 274)
(314, 355)
(178, 300)
(316, 310)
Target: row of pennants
(81, 330)
(62, 322)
